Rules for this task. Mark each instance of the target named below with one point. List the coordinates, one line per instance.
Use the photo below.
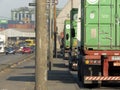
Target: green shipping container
(74, 39)
(73, 19)
(73, 14)
(100, 24)
(67, 34)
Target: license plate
(115, 57)
(116, 64)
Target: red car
(26, 50)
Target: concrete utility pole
(50, 49)
(71, 4)
(55, 31)
(41, 46)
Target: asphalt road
(20, 77)
(7, 61)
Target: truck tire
(81, 70)
(64, 56)
(70, 65)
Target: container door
(118, 22)
(100, 24)
(91, 26)
(106, 21)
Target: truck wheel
(80, 76)
(70, 65)
(65, 56)
(81, 71)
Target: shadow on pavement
(62, 76)
(22, 78)
(59, 56)
(59, 65)
(29, 67)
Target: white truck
(3, 43)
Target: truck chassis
(98, 66)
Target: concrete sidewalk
(59, 78)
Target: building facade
(65, 14)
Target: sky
(7, 5)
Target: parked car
(19, 49)
(26, 50)
(10, 50)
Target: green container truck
(99, 58)
(73, 24)
(67, 37)
(73, 40)
(67, 34)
